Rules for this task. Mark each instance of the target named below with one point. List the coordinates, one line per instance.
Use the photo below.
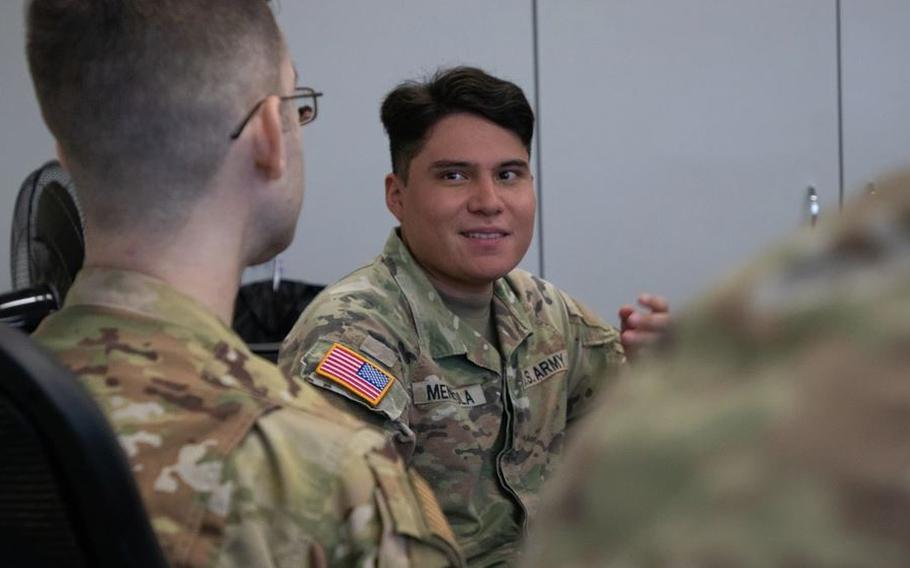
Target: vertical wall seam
(840, 104)
(535, 32)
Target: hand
(639, 330)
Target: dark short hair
(413, 108)
(144, 93)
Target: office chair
(265, 312)
(67, 494)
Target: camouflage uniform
(776, 431)
(237, 465)
(484, 426)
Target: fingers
(655, 322)
(653, 302)
(624, 313)
(642, 330)
(635, 343)
(637, 339)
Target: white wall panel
(679, 137)
(876, 78)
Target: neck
(197, 263)
(470, 302)
(470, 295)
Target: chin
(272, 248)
(499, 268)
(491, 274)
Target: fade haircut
(413, 108)
(142, 95)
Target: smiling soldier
(477, 368)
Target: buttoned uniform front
(237, 464)
(484, 424)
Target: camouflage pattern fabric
(485, 427)
(776, 431)
(237, 465)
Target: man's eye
(452, 176)
(509, 175)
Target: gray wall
(876, 89)
(677, 137)
(24, 142)
(686, 140)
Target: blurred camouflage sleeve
(712, 471)
(311, 496)
(774, 432)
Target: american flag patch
(355, 373)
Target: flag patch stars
(355, 373)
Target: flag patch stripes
(355, 373)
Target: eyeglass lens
(305, 114)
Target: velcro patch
(379, 351)
(545, 368)
(355, 373)
(432, 513)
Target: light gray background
(676, 138)
(24, 142)
(679, 137)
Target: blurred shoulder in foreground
(775, 431)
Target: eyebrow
(514, 164)
(441, 164)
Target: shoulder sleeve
(310, 493)
(414, 531)
(596, 354)
(262, 527)
(357, 341)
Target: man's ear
(61, 157)
(268, 140)
(393, 195)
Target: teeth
(484, 236)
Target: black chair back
(67, 493)
(265, 312)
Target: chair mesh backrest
(67, 493)
(34, 528)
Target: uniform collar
(440, 331)
(512, 316)
(149, 297)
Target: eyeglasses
(306, 112)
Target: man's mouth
(485, 235)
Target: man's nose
(485, 197)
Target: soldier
(775, 432)
(481, 368)
(179, 123)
